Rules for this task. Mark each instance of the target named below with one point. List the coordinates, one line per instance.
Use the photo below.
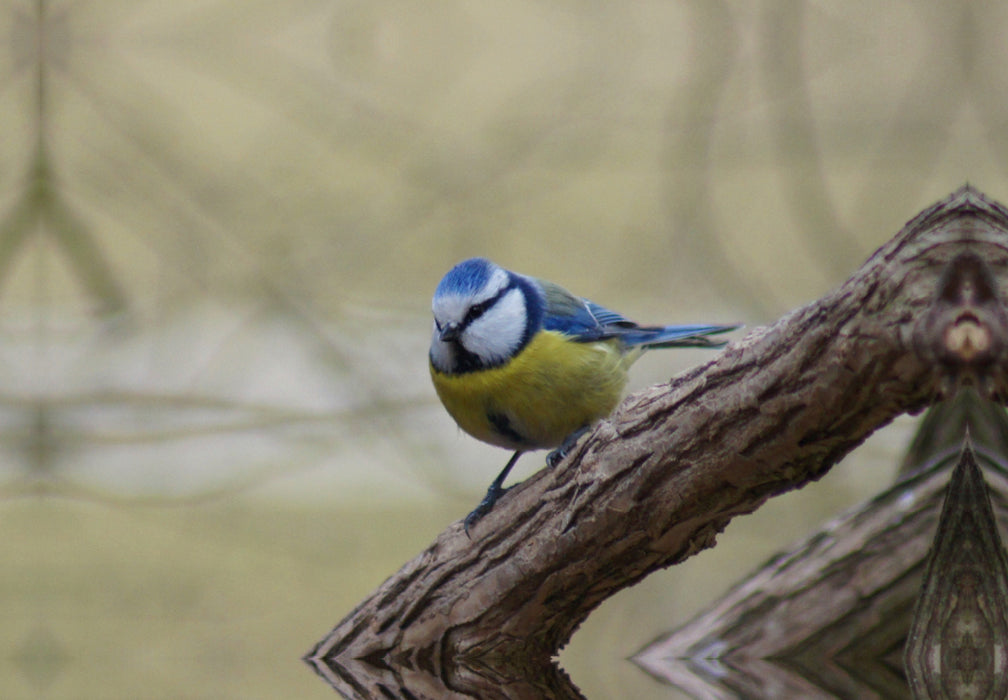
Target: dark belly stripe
(503, 426)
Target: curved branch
(674, 464)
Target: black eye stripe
(477, 310)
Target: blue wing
(585, 321)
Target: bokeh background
(221, 223)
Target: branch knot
(965, 331)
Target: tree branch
(674, 464)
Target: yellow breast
(550, 389)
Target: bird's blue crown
(466, 278)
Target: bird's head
(481, 317)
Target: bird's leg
(495, 491)
(554, 457)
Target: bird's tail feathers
(675, 336)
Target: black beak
(450, 332)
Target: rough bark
(674, 464)
(829, 617)
(956, 644)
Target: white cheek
(497, 334)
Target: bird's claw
(484, 507)
(556, 456)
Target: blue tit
(524, 364)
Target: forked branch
(674, 464)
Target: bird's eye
(476, 310)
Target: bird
(521, 363)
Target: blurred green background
(221, 224)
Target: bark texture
(956, 644)
(829, 617)
(658, 480)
